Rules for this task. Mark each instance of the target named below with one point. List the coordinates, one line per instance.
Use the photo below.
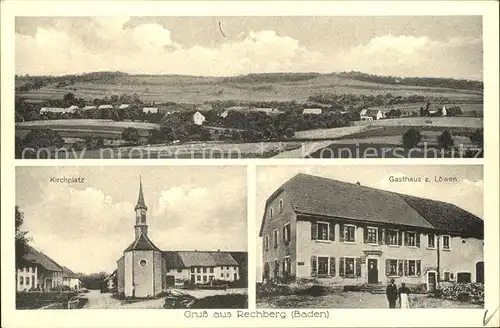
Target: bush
(477, 137)
(445, 140)
(468, 292)
(411, 138)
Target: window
(275, 238)
(392, 237)
(349, 233)
(411, 239)
(349, 266)
(179, 270)
(222, 275)
(227, 275)
(211, 270)
(271, 213)
(446, 242)
(371, 237)
(431, 241)
(281, 205)
(205, 278)
(446, 276)
(276, 268)
(286, 233)
(210, 278)
(143, 262)
(198, 278)
(412, 268)
(266, 242)
(192, 270)
(204, 270)
(323, 230)
(452, 276)
(21, 280)
(463, 277)
(286, 266)
(322, 265)
(393, 268)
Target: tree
(42, 138)
(445, 140)
(130, 134)
(394, 113)
(477, 137)
(69, 97)
(411, 138)
(21, 237)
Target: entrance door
(480, 272)
(431, 281)
(372, 271)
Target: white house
(443, 111)
(72, 109)
(267, 110)
(316, 111)
(53, 110)
(105, 107)
(124, 106)
(89, 107)
(38, 271)
(224, 114)
(198, 118)
(371, 114)
(70, 279)
(148, 110)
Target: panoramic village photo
(370, 236)
(249, 87)
(131, 237)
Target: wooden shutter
(381, 236)
(331, 235)
(341, 235)
(314, 266)
(417, 239)
(365, 234)
(358, 266)
(400, 268)
(406, 238)
(341, 266)
(400, 237)
(387, 268)
(406, 268)
(418, 267)
(332, 266)
(314, 230)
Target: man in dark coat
(392, 294)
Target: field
(195, 90)
(353, 300)
(75, 128)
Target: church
(145, 271)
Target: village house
(59, 110)
(349, 234)
(105, 107)
(38, 271)
(371, 114)
(145, 271)
(198, 118)
(70, 279)
(124, 106)
(88, 107)
(315, 111)
(150, 110)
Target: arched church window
(143, 262)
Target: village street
(97, 300)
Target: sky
(87, 226)
(466, 194)
(436, 46)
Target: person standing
(403, 296)
(392, 294)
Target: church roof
(143, 243)
(140, 200)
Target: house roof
(33, 256)
(319, 196)
(312, 111)
(372, 112)
(105, 107)
(186, 259)
(142, 243)
(67, 273)
(124, 106)
(89, 107)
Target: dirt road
(97, 300)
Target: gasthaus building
(145, 271)
(348, 234)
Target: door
(372, 271)
(431, 281)
(480, 272)
(170, 281)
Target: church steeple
(140, 214)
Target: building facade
(348, 234)
(145, 271)
(38, 272)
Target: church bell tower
(140, 214)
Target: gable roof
(67, 273)
(143, 243)
(186, 259)
(331, 198)
(34, 256)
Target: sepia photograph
(131, 237)
(370, 237)
(249, 87)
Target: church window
(143, 262)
